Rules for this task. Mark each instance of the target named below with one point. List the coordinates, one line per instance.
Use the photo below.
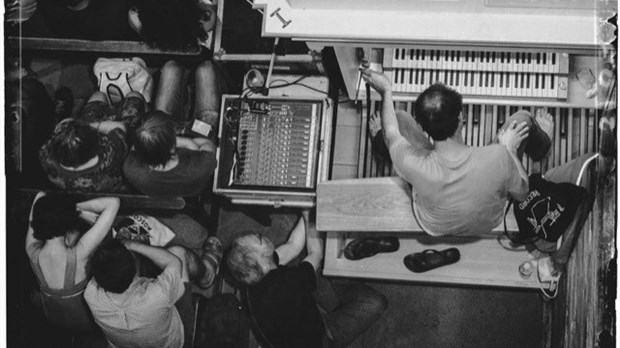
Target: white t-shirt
(143, 316)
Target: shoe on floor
(211, 258)
(366, 247)
(430, 259)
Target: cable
(288, 83)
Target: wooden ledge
(75, 45)
(129, 201)
(374, 205)
(483, 262)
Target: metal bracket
(276, 13)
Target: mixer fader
(277, 143)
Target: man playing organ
(456, 188)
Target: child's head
(251, 258)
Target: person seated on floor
(173, 23)
(163, 164)
(87, 153)
(88, 19)
(172, 98)
(136, 311)
(59, 244)
(456, 188)
(279, 299)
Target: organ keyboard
(536, 75)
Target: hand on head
(513, 136)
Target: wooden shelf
(483, 262)
(74, 45)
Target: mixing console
(277, 143)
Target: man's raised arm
(382, 85)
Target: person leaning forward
(290, 306)
(456, 188)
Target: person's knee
(522, 116)
(378, 303)
(205, 68)
(135, 94)
(171, 67)
(98, 96)
(373, 301)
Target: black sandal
(361, 248)
(430, 259)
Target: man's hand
(376, 80)
(513, 136)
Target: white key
(495, 82)
(553, 86)
(424, 58)
(407, 82)
(395, 58)
(517, 84)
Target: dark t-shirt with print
(285, 309)
(190, 177)
(105, 176)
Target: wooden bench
(348, 209)
(76, 45)
(128, 201)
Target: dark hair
(113, 266)
(74, 142)
(437, 111)
(55, 215)
(155, 138)
(171, 23)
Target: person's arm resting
(161, 257)
(295, 244)
(186, 143)
(106, 127)
(205, 144)
(314, 244)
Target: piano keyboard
(473, 73)
(576, 133)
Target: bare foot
(545, 122)
(374, 125)
(607, 122)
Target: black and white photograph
(309, 174)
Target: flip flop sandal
(430, 259)
(366, 247)
(211, 257)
